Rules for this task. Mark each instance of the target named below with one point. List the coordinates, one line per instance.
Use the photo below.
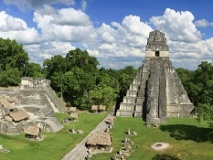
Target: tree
(13, 61)
(81, 59)
(108, 78)
(199, 86)
(33, 70)
(55, 64)
(204, 112)
(77, 85)
(103, 95)
(13, 54)
(204, 78)
(73, 76)
(58, 82)
(10, 76)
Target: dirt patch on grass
(159, 146)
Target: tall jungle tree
(13, 61)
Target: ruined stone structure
(31, 104)
(156, 92)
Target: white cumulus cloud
(179, 26)
(123, 39)
(66, 24)
(16, 28)
(203, 23)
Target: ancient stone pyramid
(156, 92)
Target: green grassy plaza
(187, 138)
(54, 146)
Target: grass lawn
(188, 140)
(54, 146)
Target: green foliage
(14, 63)
(81, 59)
(10, 76)
(103, 94)
(77, 79)
(13, 59)
(73, 76)
(34, 70)
(204, 78)
(199, 86)
(78, 87)
(106, 89)
(53, 65)
(204, 112)
(12, 54)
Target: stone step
(54, 124)
(45, 111)
(127, 106)
(132, 93)
(133, 87)
(128, 99)
(125, 113)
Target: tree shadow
(165, 157)
(189, 132)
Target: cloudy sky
(114, 31)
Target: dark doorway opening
(157, 54)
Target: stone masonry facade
(156, 92)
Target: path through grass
(54, 146)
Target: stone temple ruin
(156, 92)
(31, 104)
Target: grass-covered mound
(187, 139)
(54, 146)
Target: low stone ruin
(72, 115)
(73, 131)
(125, 150)
(98, 108)
(4, 150)
(110, 121)
(33, 133)
(126, 147)
(99, 142)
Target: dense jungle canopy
(78, 80)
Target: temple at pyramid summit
(156, 92)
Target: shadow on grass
(189, 132)
(164, 157)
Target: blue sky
(114, 31)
